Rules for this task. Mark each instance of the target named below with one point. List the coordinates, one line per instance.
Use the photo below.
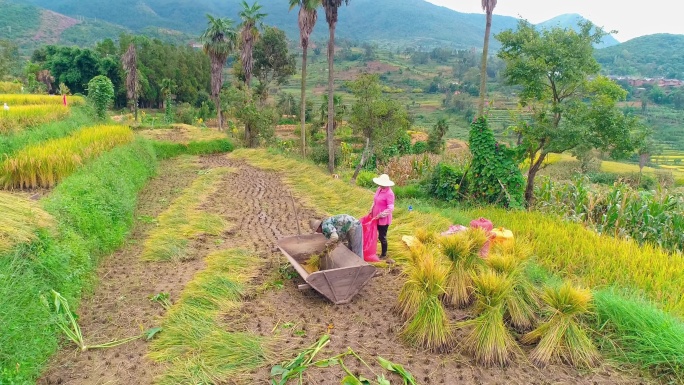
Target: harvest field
(163, 242)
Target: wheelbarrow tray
(342, 273)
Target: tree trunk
(531, 174)
(302, 111)
(364, 157)
(331, 107)
(483, 69)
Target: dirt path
(258, 207)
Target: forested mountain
(30, 26)
(571, 20)
(649, 56)
(397, 22)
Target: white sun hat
(383, 180)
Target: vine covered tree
(572, 108)
(307, 20)
(488, 6)
(129, 62)
(219, 42)
(331, 7)
(249, 34)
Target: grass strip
(45, 164)
(185, 220)
(93, 209)
(195, 342)
(165, 149)
(21, 220)
(14, 141)
(634, 331)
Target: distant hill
(571, 20)
(659, 55)
(391, 21)
(388, 22)
(30, 26)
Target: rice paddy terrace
(163, 243)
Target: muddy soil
(259, 209)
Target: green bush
(185, 113)
(419, 148)
(365, 179)
(100, 94)
(165, 150)
(319, 154)
(94, 210)
(446, 181)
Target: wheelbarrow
(341, 273)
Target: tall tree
(331, 7)
(129, 62)
(488, 7)
(219, 42)
(273, 62)
(307, 20)
(249, 33)
(378, 118)
(572, 109)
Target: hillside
(29, 26)
(570, 20)
(650, 56)
(409, 22)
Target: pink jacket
(383, 200)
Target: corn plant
(45, 164)
(487, 338)
(654, 217)
(561, 337)
(66, 320)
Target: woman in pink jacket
(383, 205)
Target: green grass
(80, 117)
(195, 341)
(165, 149)
(93, 209)
(635, 332)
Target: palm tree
(129, 62)
(307, 21)
(219, 42)
(331, 7)
(249, 33)
(488, 6)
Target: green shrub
(419, 148)
(100, 94)
(446, 181)
(165, 150)
(94, 210)
(185, 113)
(319, 154)
(365, 179)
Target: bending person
(341, 228)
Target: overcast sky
(630, 18)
